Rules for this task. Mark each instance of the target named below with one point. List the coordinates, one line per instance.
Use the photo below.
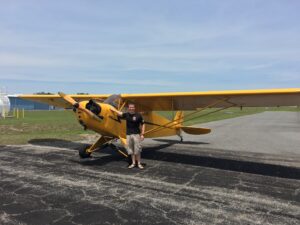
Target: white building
(4, 104)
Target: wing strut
(173, 123)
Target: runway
(246, 172)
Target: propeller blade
(67, 98)
(75, 104)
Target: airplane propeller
(77, 106)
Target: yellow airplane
(94, 111)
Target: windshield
(113, 100)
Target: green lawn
(63, 124)
(40, 124)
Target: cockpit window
(113, 100)
(93, 107)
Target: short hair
(131, 103)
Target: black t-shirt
(133, 122)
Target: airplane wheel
(83, 154)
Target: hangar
(19, 103)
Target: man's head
(131, 108)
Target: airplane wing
(214, 99)
(58, 101)
(190, 100)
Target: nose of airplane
(88, 110)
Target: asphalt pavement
(247, 171)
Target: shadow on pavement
(154, 153)
(184, 142)
(224, 164)
(57, 143)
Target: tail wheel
(83, 152)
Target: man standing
(135, 129)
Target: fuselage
(110, 124)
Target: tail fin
(179, 119)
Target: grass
(39, 125)
(63, 124)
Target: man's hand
(142, 137)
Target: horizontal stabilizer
(195, 130)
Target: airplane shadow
(215, 162)
(178, 142)
(113, 156)
(57, 143)
(60, 143)
(154, 153)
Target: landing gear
(181, 138)
(116, 148)
(83, 153)
(87, 151)
(102, 142)
(126, 156)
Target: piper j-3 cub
(93, 111)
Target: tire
(83, 154)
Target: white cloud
(286, 76)
(98, 42)
(260, 66)
(99, 80)
(15, 60)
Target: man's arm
(143, 132)
(142, 128)
(116, 111)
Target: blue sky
(139, 46)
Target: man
(135, 129)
